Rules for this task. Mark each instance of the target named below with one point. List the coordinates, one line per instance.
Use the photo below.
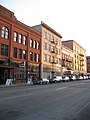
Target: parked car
(56, 79)
(65, 79)
(41, 81)
(85, 77)
(73, 78)
(79, 78)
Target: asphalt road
(62, 101)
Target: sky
(70, 18)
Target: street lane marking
(80, 110)
(61, 88)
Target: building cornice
(49, 28)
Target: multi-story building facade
(18, 43)
(50, 51)
(79, 57)
(67, 61)
(88, 64)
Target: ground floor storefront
(19, 74)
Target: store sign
(8, 82)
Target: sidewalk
(15, 85)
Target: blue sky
(70, 18)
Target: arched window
(5, 33)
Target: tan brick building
(79, 57)
(18, 43)
(50, 52)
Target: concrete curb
(15, 85)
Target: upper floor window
(35, 57)
(5, 33)
(38, 45)
(52, 60)
(45, 57)
(20, 53)
(49, 47)
(52, 39)
(49, 37)
(45, 35)
(38, 58)
(20, 38)
(31, 43)
(24, 54)
(34, 44)
(49, 58)
(45, 46)
(58, 43)
(15, 36)
(4, 50)
(31, 56)
(24, 40)
(15, 52)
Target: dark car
(41, 81)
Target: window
(49, 38)
(31, 43)
(45, 46)
(35, 57)
(38, 45)
(49, 47)
(5, 33)
(24, 40)
(58, 43)
(15, 36)
(59, 51)
(4, 50)
(38, 58)
(45, 35)
(24, 54)
(34, 44)
(45, 57)
(52, 59)
(52, 39)
(20, 53)
(49, 58)
(20, 38)
(15, 52)
(52, 49)
(31, 56)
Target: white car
(66, 79)
(80, 78)
(74, 78)
(57, 79)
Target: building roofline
(63, 46)
(49, 28)
(19, 22)
(6, 9)
(74, 42)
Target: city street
(62, 101)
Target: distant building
(79, 57)
(19, 43)
(88, 64)
(67, 61)
(51, 52)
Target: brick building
(19, 43)
(51, 52)
(88, 64)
